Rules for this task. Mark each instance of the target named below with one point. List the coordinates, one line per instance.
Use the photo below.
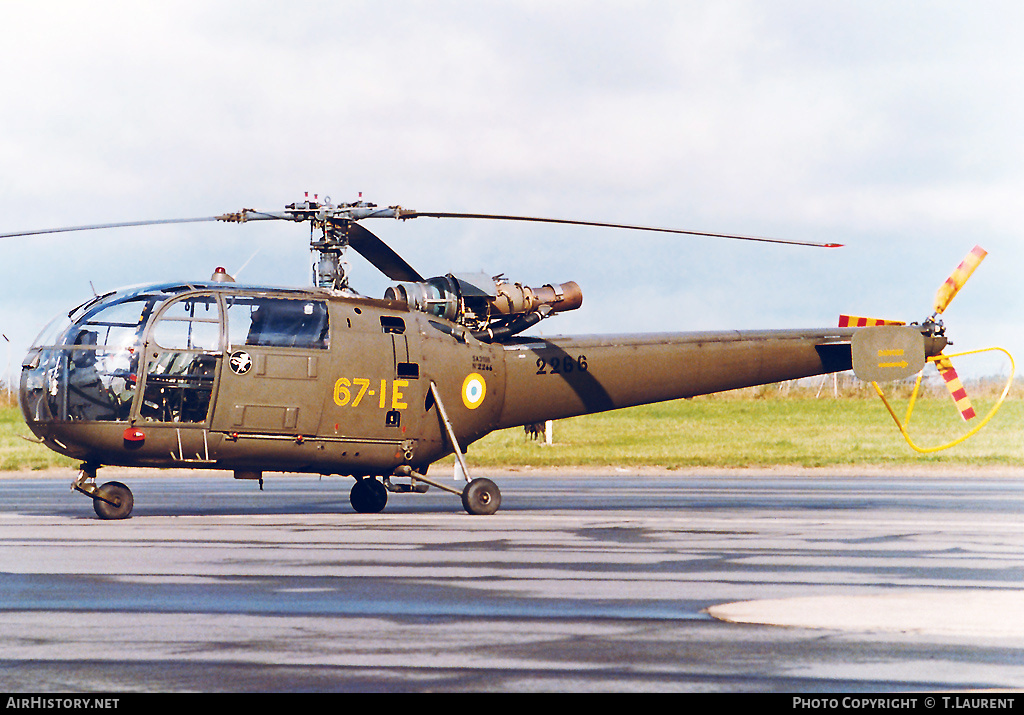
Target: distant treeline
(846, 385)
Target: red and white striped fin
(854, 321)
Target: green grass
(750, 428)
(783, 424)
(17, 453)
(797, 431)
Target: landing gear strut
(112, 500)
(368, 496)
(479, 496)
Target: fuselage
(249, 378)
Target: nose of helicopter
(30, 387)
(20, 385)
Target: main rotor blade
(380, 255)
(444, 214)
(123, 224)
(239, 217)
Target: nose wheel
(112, 500)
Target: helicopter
(250, 379)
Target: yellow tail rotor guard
(905, 424)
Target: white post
(7, 373)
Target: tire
(114, 491)
(481, 497)
(368, 496)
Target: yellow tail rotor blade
(957, 279)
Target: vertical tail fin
(855, 321)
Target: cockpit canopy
(88, 364)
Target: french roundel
(473, 391)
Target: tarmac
(737, 580)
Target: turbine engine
(491, 307)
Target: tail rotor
(885, 351)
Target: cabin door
(182, 353)
(277, 349)
(378, 391)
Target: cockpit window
(117, 326)
(190, 324)
(278, 322)
(87, 367)
(51, 334)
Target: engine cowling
(492, 308)
(517, 299)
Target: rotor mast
(333, 229)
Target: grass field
(797, 431)
(17, 453)
(760, 427)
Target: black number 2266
(560, 365)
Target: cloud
(891, 128)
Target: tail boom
(567, 376)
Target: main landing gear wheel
(481, 496)
(368, 496)
(113, 500)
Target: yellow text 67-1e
(351, 392)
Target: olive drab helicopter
(322, 380)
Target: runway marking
(987, 614)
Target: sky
(892, 128)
